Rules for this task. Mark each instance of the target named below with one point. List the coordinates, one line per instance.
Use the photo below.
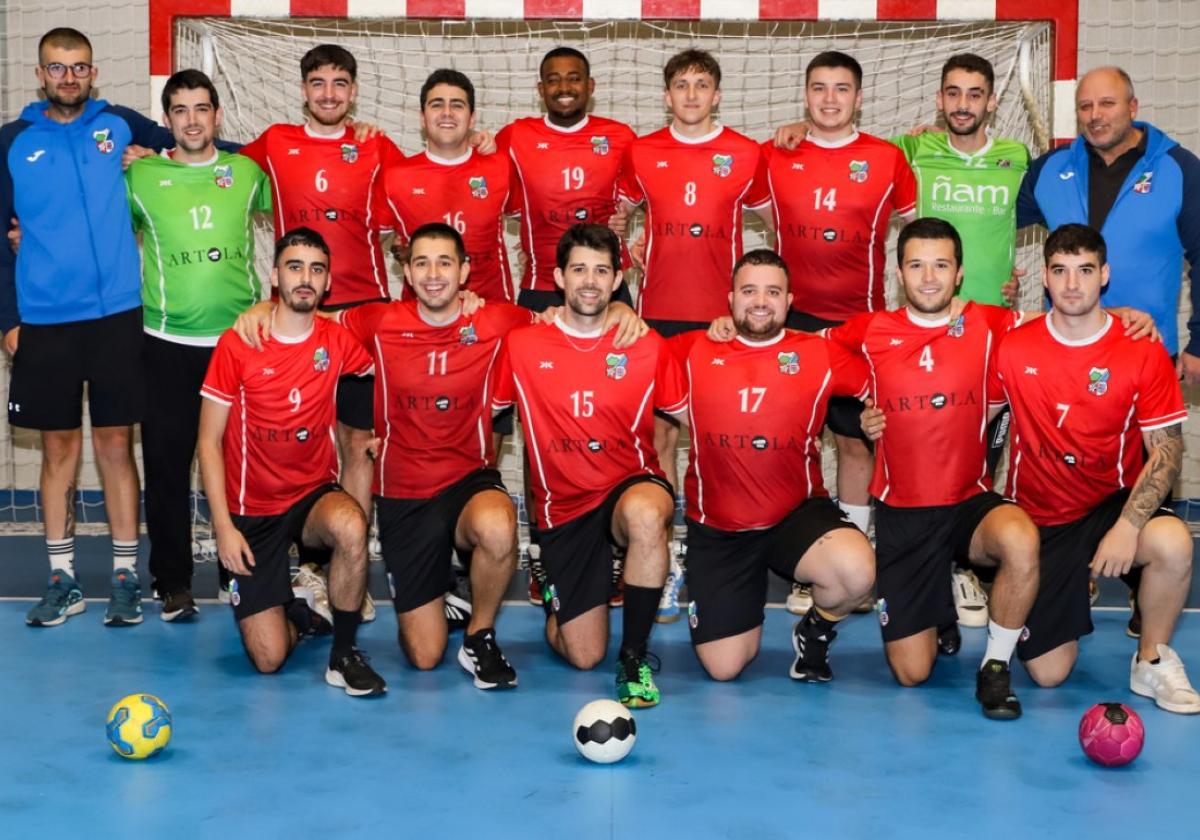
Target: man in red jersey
(270, 474)
(755, 497)
(1097, 446)
(587, 408)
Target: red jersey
(756, 410)
(588, 411)
(564, 176)
(1079, 409)
(279, 440)
(468, 194)
(831, 204)
(331, 184)
(930, 378)
(433, 392)
(694, 192)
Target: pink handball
(1111, 734)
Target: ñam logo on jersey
(956, 328)
(103, 143)
(722, 165)
(1142, 184)
(599, 145)
(467, 336)
(349, 152)
(859, 169)
(321, 359)
(1098, 381)
(616, 365)
(223, 176)
(478, 186)
(789, 363)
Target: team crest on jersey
(103, 143)
(956, 328)
(859, 169)
(223, 176)
(1098, 381)
(1142, 184)
(599, 145)
(321, 359)
(789, 363)
(478, 186)
(1004, 163)
(349, 152)
(617, 365)
(467, 336)
(722, 165)
(693, 615)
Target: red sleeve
(504, 393)
(670, 387)
(503, 318)
(850, 373)
(512, 205)
(256, 150)
(389, 152)
(223, 378)
(760, 189)
(681, 345)
(628, 188)
(504, 139)
(851, 334)
(358, 361)
(1159, 397)
(362, 321)
(995, 382)
(905, 197)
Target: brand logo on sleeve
(321, 360)
(789, 363)
(103, 143)
(616, 365)
(1142, 184)
(600, 145)
(33, 157)
(859, 169)
(478, 185)
(722, 165)
(223, 176)
(1098, 381)
(349, 152)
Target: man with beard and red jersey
(270, 470)
(587, 408)
(1097, 447)
(755, 497)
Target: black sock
(819, 622)
(345, 628)
(641, 603)
(299, 614)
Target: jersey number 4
(926, 360)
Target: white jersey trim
(696, 141)
(1078, 342)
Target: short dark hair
(972, 64)
(565, 52)
(692, 59)
(761, 256)
(439, 230)
(927, 227)
(595, 237)
(446, 76)
(1074, 239)
(833, 58)
(300, 236)
(64, 37)
(328, 55)
(189, 80)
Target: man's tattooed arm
(1158, 476)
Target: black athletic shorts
(1062, 611)
(539, 300)
(915, 550)
(842, 416)
(577, 555)
(726, 570)
(417, 537)
(53, 362)
(269, 583)
(356, 402)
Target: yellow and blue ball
(139, 726)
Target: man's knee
(267, 658)
(911, 672)
(1168, 543)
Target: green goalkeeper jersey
(978, 195)
(197, 226)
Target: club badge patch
(1098, 381)
(223, 176)
(615, 364)
(956, 328)
(881, 608)
(789, 363)
(722, 165)
(1142, 184)
(349, 152)
(467, 335)
(321, 359)
(693, 615)
(478, 186)
(859, 169)
(600, 145)
(103, 143)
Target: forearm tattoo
(1158, 476)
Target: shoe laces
(486, 651)
(644, 666)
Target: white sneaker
(1167, 682)
(800, 600)
(668, 604)
(969, 598)
(310, 584)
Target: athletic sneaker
(224, 580)
(635, 680)
(616, 593)
(179, 606)
(969, 598)
(949, 639)
(353, 673)
(811, 647)
(481, 657)
(799, 600)
(457, 612)
(668, 604)
(993, 690)
(1165, 681)
(310, 584)
(125, 603)
(62, 600)
(1093, 592)
(1134, 628)
(537, 578)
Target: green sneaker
(63, 599)
(125, 603)
(635, 680)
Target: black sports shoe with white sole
(352, 673)
(993, 690)
(811, 645)
(482, 658)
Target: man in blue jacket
(70, 309)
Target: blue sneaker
(62, 600)
(125, 603)
(668, 604)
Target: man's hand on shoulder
(132, 153)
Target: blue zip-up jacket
(1153, 225)
(78, 258)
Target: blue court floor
(763, 757)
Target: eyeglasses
(57, 69)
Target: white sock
(1001, 642)
(859, 515)
(62, 555)
(125, 553)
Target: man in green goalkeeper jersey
(195, 212)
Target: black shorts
(1062, 611)
(726, 570)
(842, 415)
(417, 537)
(577, 555)
(269, 583)
(502, 422)
(539, 300)
(915, 550)
(53, 362)
(356, 402)
(670, 329)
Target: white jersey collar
(570, 129)
(696, 141)
(1078, 342)
(833, 144)
(441, 161)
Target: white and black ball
(604, 731)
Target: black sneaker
(993, 690)
(308, 621)
(352, 673)
(179, 606)
(1134, 628)
(949, 639)
(456, 605)
(481, 657)
(811, 646)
